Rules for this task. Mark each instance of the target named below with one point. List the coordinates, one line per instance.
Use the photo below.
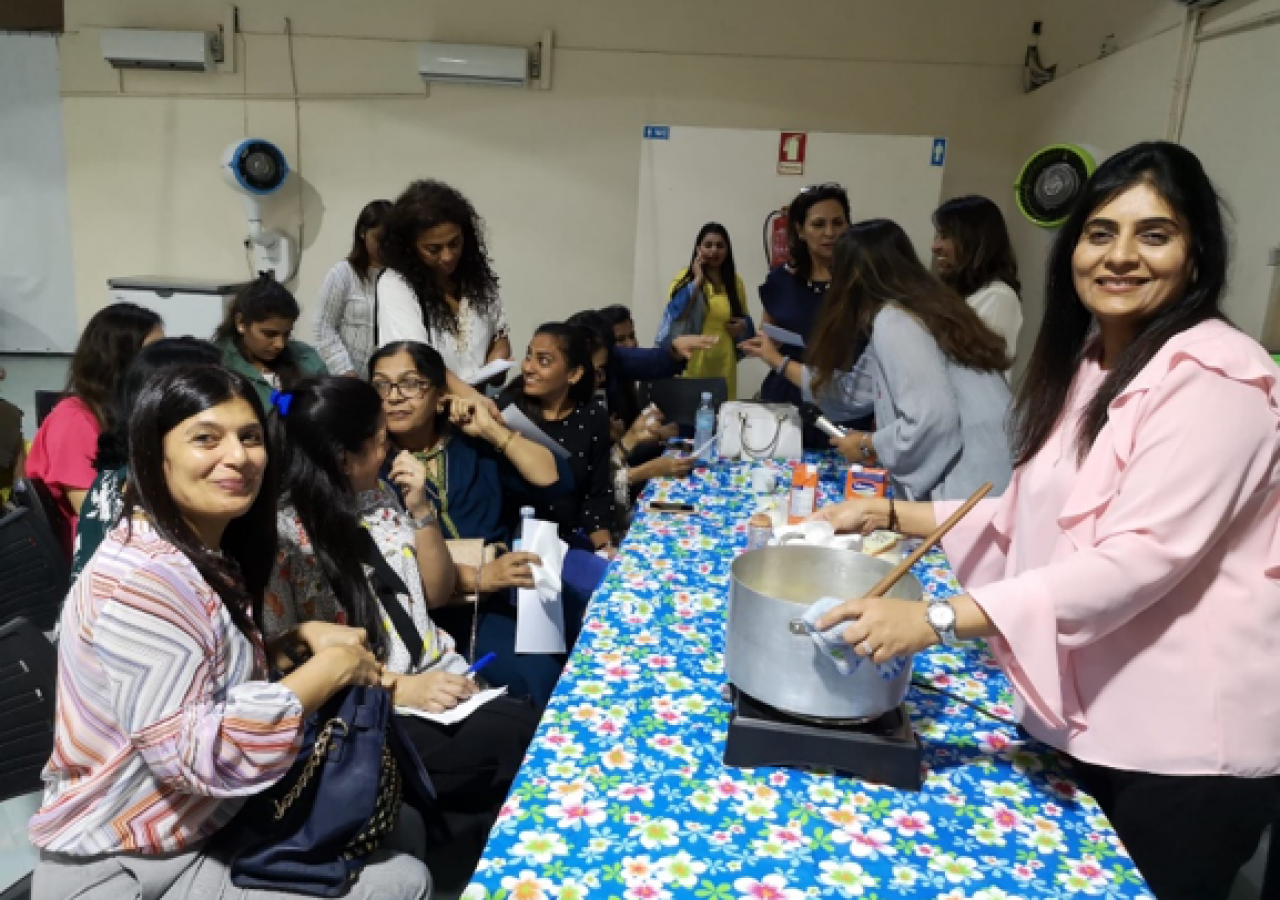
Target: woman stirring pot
(1127, 578)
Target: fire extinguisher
(775, 239)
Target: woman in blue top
(478, 472)
(793, 294)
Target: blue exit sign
(657, 132)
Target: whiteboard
(37, 287)
(730, 176)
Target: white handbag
(753, 430)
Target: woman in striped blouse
(166, 721)
(344, 316)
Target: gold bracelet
(511, 436)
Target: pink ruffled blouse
(1135, 593)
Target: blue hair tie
(282, 400)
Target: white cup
(764, 481)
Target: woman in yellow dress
(707, 298)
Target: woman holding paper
(440, 287)
(347, 551)
(708, 298)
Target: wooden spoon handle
(938, 534)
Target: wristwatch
(941, 616)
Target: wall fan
(1051, 181)
(256, 169)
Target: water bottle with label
(704, 430)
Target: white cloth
(998, 306)
(465, 353)
(344, 320)
(540, 609)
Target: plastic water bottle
(704, 429)
(526, 513)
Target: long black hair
(374, 215)
(330, 418)
(425, 205)
(984, 252)
(107, 345)
(797, 213)
(113, 445)
(876, 266)
(574, 341)
(621, 393)
(258, 301)
(728, 270)
(1177, 176)
(239, 570)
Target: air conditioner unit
(474, 64)
(142, 48)
(1197, 4)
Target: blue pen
(480, 664)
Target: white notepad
(459, 712)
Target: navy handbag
(314, 830)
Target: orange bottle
(804, 493)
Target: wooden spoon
(938, 534)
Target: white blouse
(465, 353)
(998, 306)
(344, 320)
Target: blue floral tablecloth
(624, 793)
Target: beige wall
(554, 173)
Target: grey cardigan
(942, 429)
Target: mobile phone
(670, 506)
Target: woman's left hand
(410, 475)
(882, 628)
(762, 348)
(685, 345)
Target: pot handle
(798, 627)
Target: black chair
(28, 683)
(45, 402)
(679, 398)
(34, 574)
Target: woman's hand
(434, 692)
(881, 628)
(856, 516)
(320, 636)
(672, 466)
(648, 428)
(476, 418)
(851, 447)
(737, 328)
(762, 348)
(699, 271)
(684, 347)
(350, 665)
(410, 475)
(511, 570)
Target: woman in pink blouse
(65, 444)
(1126, 580)
(165, 719)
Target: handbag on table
(750, 430)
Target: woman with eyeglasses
(708, 298)
(478, 474)
(793, 293)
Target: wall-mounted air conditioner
(143, 48)
(474, 64)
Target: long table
(624, 793)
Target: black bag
(316, 827)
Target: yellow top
(721, 361)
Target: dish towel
(833, 646)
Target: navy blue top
(483, 492)
(794, 305)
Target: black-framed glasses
(408, 388)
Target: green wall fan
(1051, 181)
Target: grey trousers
(205, 874)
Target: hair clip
(282, 400)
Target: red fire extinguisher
(775, 238)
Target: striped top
(344, 320)
(163, 721)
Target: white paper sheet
(518, 422)
(489, 370)
(459, 712)
(540, 609)
(781, 335)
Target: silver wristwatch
(941, 616)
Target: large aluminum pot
(773, 660)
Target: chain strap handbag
(753, 430)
